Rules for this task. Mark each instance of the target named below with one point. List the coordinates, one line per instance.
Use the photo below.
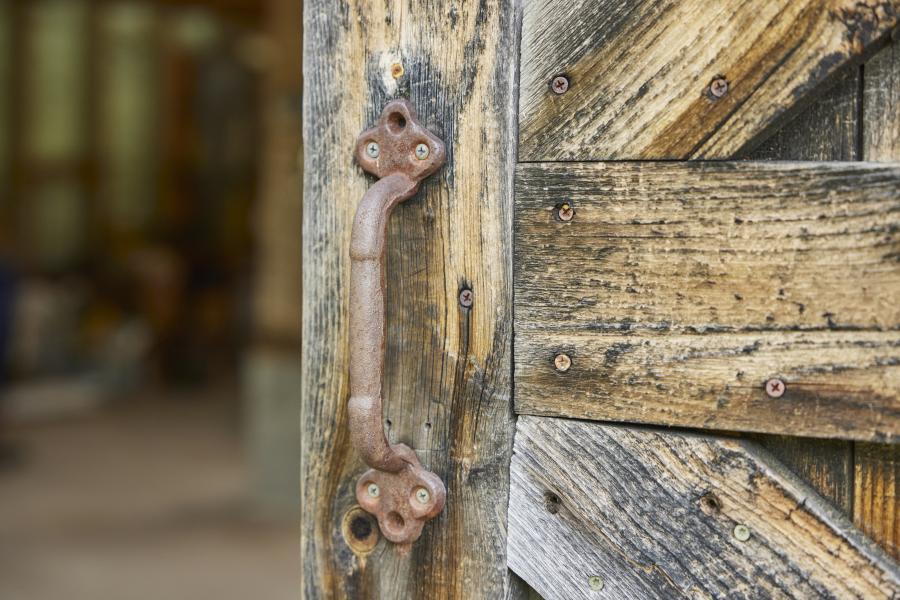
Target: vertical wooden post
(447, 379)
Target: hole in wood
(551, 502)
(710, 505)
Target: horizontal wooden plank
(678, 289)
(640, 72)
(617, 512)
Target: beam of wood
(640, 72)
(643, 514)
(679, 289)
(447, 381)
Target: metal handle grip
(401, 494)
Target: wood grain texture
(679, 289)
(447, 379)
(826, 465)
(640, 72)
(881, 106)
(875, 507)
(828, 129)
(653, 515)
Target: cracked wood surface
(679, 289)
(447, 377)
(654, 513)
(640, 72)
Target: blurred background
(149, 298)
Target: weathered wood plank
(840, 386)
(654, 515)
(447, 382)
(875, 506)
(881, 105)
(827, 465)
(640, 72)
(828, 129)
(679, 289)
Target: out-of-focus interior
(149, 298)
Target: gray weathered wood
(653, 514)
(679, 289)
(640, 72)
(447, 381)
(881, 106)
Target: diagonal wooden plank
(618, 512)
(678, 289)
(640, 72)
(447, 379)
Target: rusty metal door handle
(401, 493)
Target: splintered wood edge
(522, 560)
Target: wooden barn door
(705, 246)
(677, 372)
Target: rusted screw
(396, 70)
(718, 87)
(560, 84)
(373, 490)
(373, 150)
(595, 582)
(422, 151)
(741, 533)
(775, 388)
(466, 298)
(422, 496)
(566, 212)
(562, 362)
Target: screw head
(566, 212)
(422, 495)
(396, 70)
(562, 362)
(775, 388)
(373, 150)
(718, 87)
(373, 490)
(422, 151)
(466, 298)
(595, 582)
(741, 533)
(560, 84)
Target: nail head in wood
(741, 533)
(562, 362)
(595, 582)
(775, 388)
